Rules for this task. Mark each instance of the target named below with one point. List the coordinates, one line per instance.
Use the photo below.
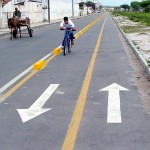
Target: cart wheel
(30, 31)
(11, 35)
(14, 33)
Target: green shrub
(147, 10)
(148, 61)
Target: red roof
(4, 1)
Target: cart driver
(17, 13)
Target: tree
(146, 5)
(135, 5)
(81, 5)
(125, 6)
(90, 4)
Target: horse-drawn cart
(15, 25)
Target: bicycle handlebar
(67, 29)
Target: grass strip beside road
(141, 17)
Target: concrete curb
(41, 64)
(135, 50)
(57, 51)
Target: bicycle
(66, 42)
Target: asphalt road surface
(86, 100)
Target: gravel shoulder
(139, 37)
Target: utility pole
(72, 9)
(0, 14)
(49, 11)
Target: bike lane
(114, 117)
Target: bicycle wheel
(64, 48)
(30, 31)
(69, 49)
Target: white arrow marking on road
(114, 112)
(36, 108)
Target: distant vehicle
(103, 10)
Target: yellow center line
(78, 112)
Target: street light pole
(72, 9)
(49, 11)
(0, 15)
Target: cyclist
(68, 24)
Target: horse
(14, 26)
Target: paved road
(83, 116)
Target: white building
(60, 8)
(34, 10)
(87, 9)
(0, 14)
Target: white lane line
(5, 87)
(46, 56)
(14, 80)
(36, 108)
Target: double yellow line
(42, 63)
(78, 112)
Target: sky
(114, 2)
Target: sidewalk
(34, 25)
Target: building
(86, 9)
(60, 8)
(2, 3)
(0, 14)
(37, 10)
